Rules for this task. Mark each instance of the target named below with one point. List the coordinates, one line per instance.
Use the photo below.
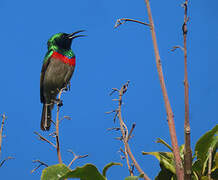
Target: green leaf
(207, 141)
(165, 158)
(181, 151)
(214, 174)
(164, 174)
(133, 177)
(216, 160)
(194, 176)
(61, 171)
(86, 172)
(204, 178)
(54, 172)
(108, 166)
(159, 140)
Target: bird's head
(63, 40)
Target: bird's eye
(48, 43)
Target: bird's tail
(46, 117)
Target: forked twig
(76, 157)
(40, 164)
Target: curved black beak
(73, 35)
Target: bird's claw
(59, 102)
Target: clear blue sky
(106, 58)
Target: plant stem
(170, 117)
(187, 129)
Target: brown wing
(42, 75)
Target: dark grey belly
(57, 76)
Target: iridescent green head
(62, 40)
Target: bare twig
(170, 116)
(177, 47)
(130, 133)
(57, 128)
(76, 157)
(114, 128)
(116, 113)
(123, 20)
(187, 129)
(125, 136)
(40, 164)
(1, 131)
(2, 162)
(113, 91)
(65, 117)
(44, 139)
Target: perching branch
(57, 127)
(123, 20)
(187, 129)
(56, 133)
(126, 136)
(170, 116)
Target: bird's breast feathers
(67, 60)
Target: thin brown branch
(170, 116)
(65, 117)
(123, 20)
(57, 128)
(187, 129)
(177, 47)
(76, 157)
(3, 161)
(40, 164)
(130, 133)
(1, 131)
(125, 136)
(113, 91)
(44, 139)
(122, 152)
(114, 128)
(115, 115)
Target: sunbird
(57, 70)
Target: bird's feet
(59, 102)
(66, 87)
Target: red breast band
(64, 59)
